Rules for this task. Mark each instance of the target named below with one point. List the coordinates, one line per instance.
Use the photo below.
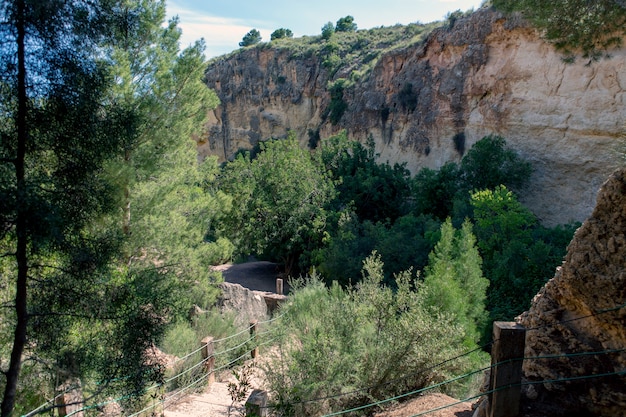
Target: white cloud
(221, 35)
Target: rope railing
(604, 311)
(188, 370)
(256, 337)
(546, 381)
(468, 374)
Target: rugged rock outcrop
(248, 305)
(583, 309)
(426, 104)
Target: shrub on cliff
(251, 38)
(281, 33)
(346, 24)
(592, 28)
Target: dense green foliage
(327, 30)
(281, 33)
(378, 207)
(346, 24)
(57, 133)
(592, 28)
(371, 206)
(278, 202)
(337, 106)
(166, 209)
(454, 280)
(88, 134)
(367, 342)
(251, 38)
(486, 165)
(519, 254)
(375, 191)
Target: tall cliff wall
(427, 104)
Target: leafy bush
(327, 30)
(337, 106)
(519, 254)
(184, 337)
(278, 202)
(349, 347)
(407, 97)
(351, 241)
(377, 192)
(488, 164)
(180, 339)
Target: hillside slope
(426, 102)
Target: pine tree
(57, 132)
(167, 208)
(453, 282)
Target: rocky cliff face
(583, 309)
(427, 104)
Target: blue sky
(223, 23)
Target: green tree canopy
(490, 163)
(454, 281)
(519, 254)
(590, 27)
(159, 176)
(58, 131)
(327, 30)
(346, 24)
(281, 33)
(251, 38)
(278, 201)
(377, 192)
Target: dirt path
(255, 275)
(215, 401)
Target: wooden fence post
(69, 401)
(279, 286)
(507, 354)
(207, 356)
(256, 406)
(255, 350)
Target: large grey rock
(248, 305)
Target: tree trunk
(126, 208)
(19, 339)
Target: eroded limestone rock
(583, 309)
(485, 75)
